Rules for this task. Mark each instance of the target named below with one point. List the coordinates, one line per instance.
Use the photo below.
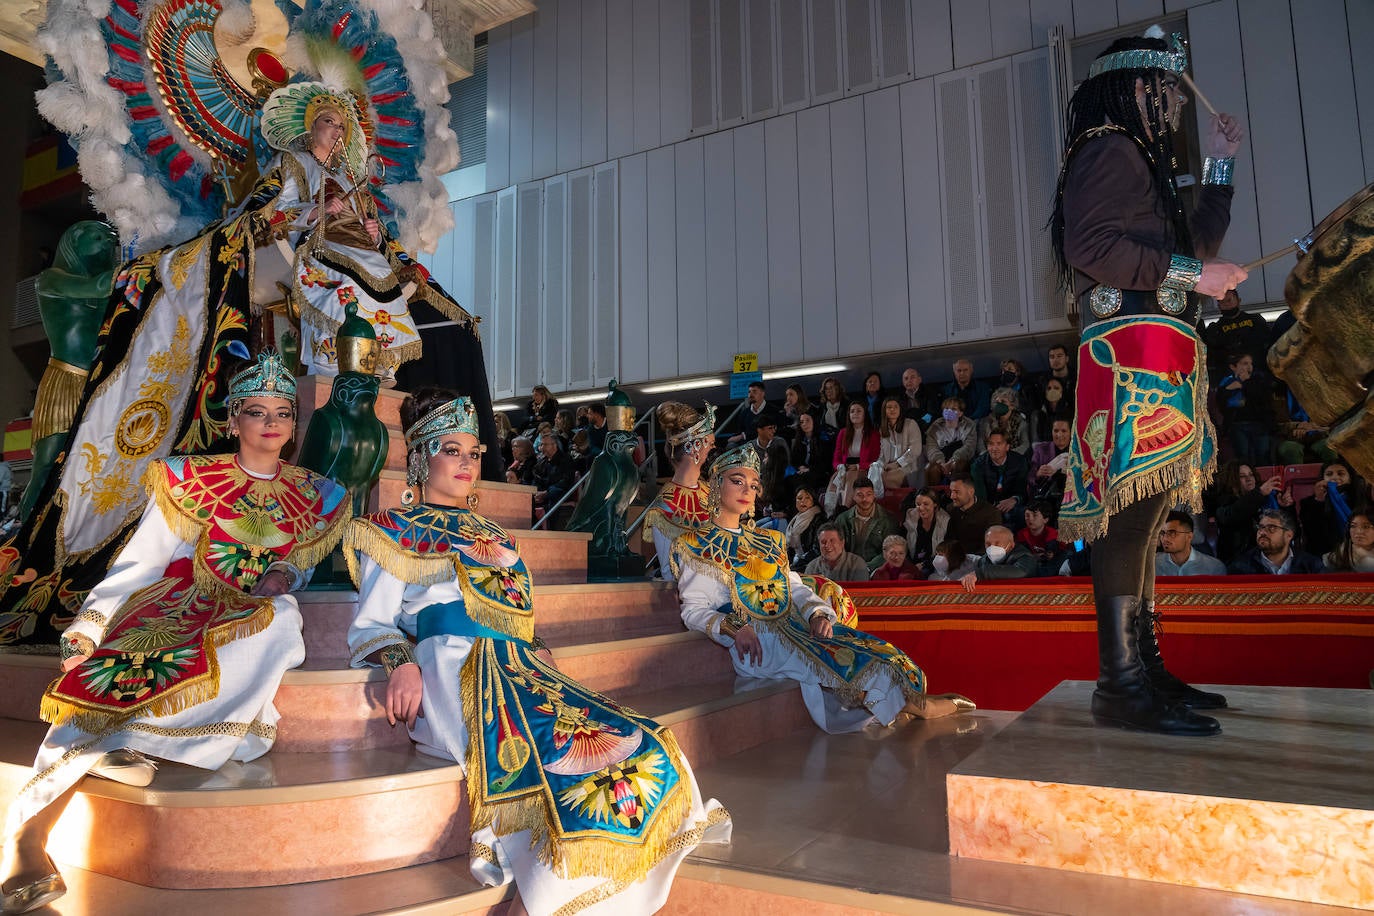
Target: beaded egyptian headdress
(425, 434)
(693, 438)
(1174, 59)
(266, 378)
(743, 456)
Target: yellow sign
(746, 362)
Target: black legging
(1123, 560)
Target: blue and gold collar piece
(751, 562)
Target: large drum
(1327, 358)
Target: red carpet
(1005, 645)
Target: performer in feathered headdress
(205, 582)
(1142, 442)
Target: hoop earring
(474, 499)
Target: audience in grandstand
(1006, 418)
(795, 405)
(1041, 538)
(542, 408)
(834, 561)
(951, 443)
(776, 459)
(1056, 405)
(1234, 332)
(1002, 558)
(1274, 552)
(1000, 477)
(1325, 515)
(975, 393)
(833, 407)
(1049, 466)
(596, 429)
(803, 528)
(969, 517)
(1058, 358)
(894, 565)
(553, 472)
(927, 525)
(951, 562)
(755, 404)
(919, 402)
(812, 456)
(1177, 556)
(521, 467)
(865, 524)
(901, 448)
(1356, 552)
(1014, 377)
(873, 396)
(1245, 400)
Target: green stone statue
(72, 295)
(345, 441)
(612, 485)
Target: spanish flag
(49, 171)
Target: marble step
(564, 615)
(298, 817)
(336, 708)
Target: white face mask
(996, 553)
(941, 563)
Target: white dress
(388, 611)
(703, 595)
(238, 723)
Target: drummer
(1141, 438)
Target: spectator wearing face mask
(1056, 404)
(1006, 418)
(951, 443)
(1014, 377)
(1003, 558)
(951, 563)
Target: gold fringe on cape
(570, 857)
(99, 720)
(363, 536)
(194, 531)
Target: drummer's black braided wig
(1110, 96)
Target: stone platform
(1281, 804)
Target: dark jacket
(968, 526)
(995, 483)
(553, 474)
(1020, 563)
(1250, 564)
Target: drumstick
(1197, 94)
(1274, 256)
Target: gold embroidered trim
(568, 857)
(90, 615)
(484, 852)
(218, 729)
(70, 754)
(367, 648)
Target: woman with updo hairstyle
(570, 795)
(688, 437)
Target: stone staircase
(344, 801)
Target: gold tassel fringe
(570, 857)
(59, 393)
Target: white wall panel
(924, 222)
(886, 219)
(581, 235)
(959, 205)
(701, 64)
(547, 75)
(1330, 118)
(856, 42)
(729, 35)
(853, 279)
(460, 282)
(673, 72)
(569, 88)
(484, 275)
(1045, 15)
(1093, 16)
(593, 82)
(1214, 37)
(646, 88)
(661, 243)
(1142, 11)
(1176, 5)
(1005, 293)
(895, 55)
(634, 268)
(521, 98)
(817, 234)
(1011, 27)
(784, 240)
(971, 21)
(751, 242)
(794, 61)
(1271, 79)
(555, 277)
(502, 320)
(1039, 153)
(498, 107)
(1360, 16)
(694, 346)
(824, 32)
(760, 95)
(620, 78)
(529, 268)
(606, 279)
(722, 296)
(932, 35)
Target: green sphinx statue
(611, 487)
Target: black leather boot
(1173, 688)
(1124, 697)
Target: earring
(407, 497)
(474, 499)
